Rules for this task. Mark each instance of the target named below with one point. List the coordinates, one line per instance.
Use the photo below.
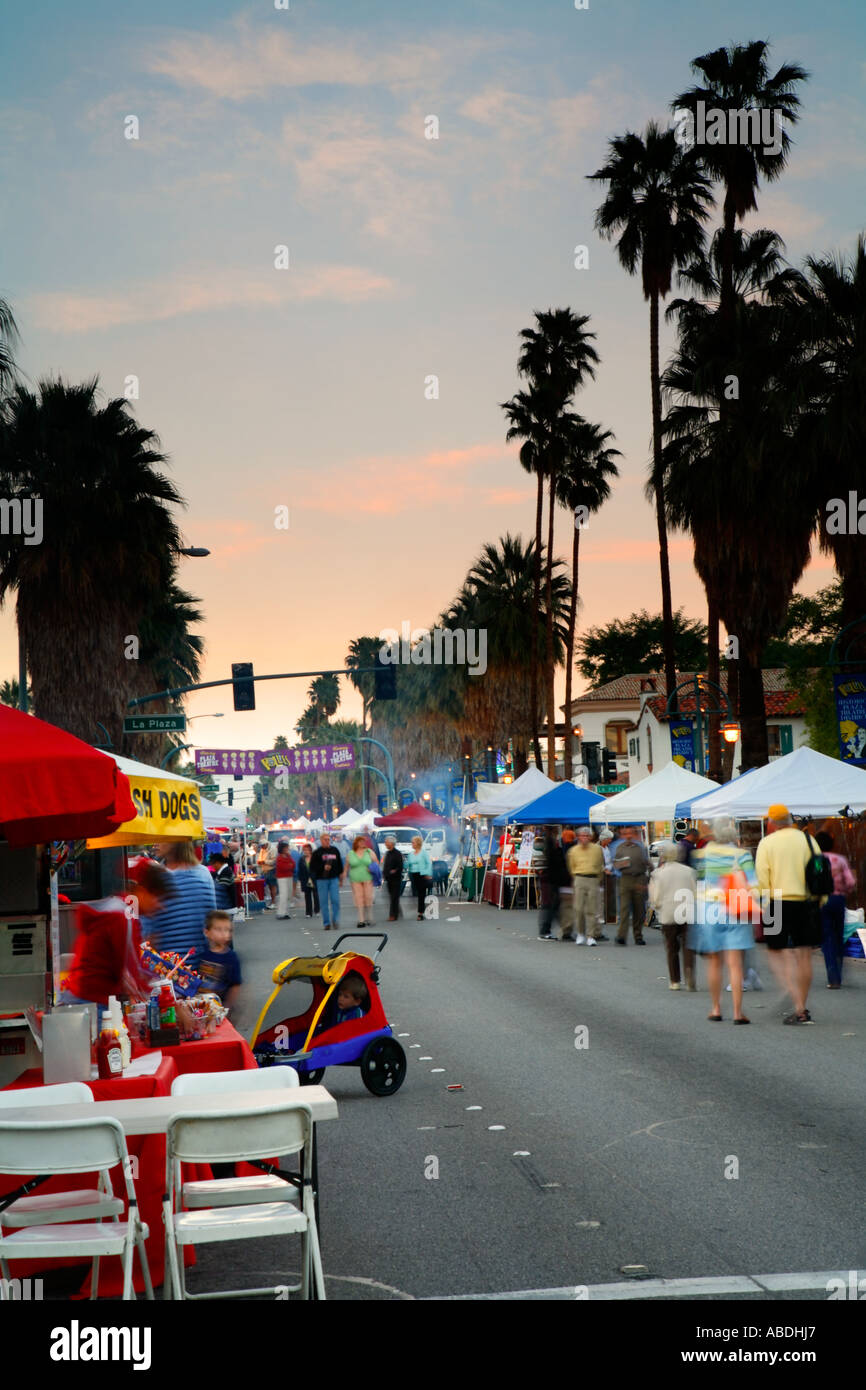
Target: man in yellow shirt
(794, 921)
(586, 865)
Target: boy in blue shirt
(217, 963)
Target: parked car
(403, 835)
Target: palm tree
(829, 301)
(9, 691)
(364, 651)
(170, 655)
(723, 480)
(582, 483)
(738, 78)
(530, 417)
(759, 270)
(657, 202)
(8, 341)
(107, 547)
(497, 598)
(557, 358)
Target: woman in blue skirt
(724, 911)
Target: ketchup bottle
(109, 1058)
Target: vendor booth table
(143, 1105)
(255, 887)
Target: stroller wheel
(311, 1078)
(383, 1066)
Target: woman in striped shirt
(180, 925)
(723, 912)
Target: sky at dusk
(305, 387)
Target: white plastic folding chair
(50, 1208)
(219, 1137)
(233, 1192)
(72, 1146)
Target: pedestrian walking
(307, 882)
(688, 844)
(328, 870)
(794, 927)
(632, 864)
(392, 873)
(833, 911)
(360, 858)
(554, 878)
(723, 917)
(285, 871)
(266, 861)
(585, 862)
(672, 898)
(420, 873)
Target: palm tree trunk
(548, 633)
(714, 758)
(661, 521)
(753, 722)
(569, 657)
(536, 603)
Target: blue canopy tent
(566, 804)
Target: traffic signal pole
(176, 690)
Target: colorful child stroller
(311, 1038)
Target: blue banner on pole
(405, 797)
(850, 692)
(440, 799)
(683, 743)
(457, 795)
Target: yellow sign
(166, 811)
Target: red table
(255, 887)
(224, 1050)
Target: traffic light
(590, 758)
(266, 791)
(608, 765)
(231, 796)
(386, 682)
(243, 685)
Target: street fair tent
(808, 783)
(216, 817)
(54, 786)
(168, 807)
(346, 818)
(566, 804)
(412, 815)
(495, 797)
(654, 798)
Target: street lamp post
(701, 686)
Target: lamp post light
(700, 687)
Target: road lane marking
(671, 1288)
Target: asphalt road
(557, 1166)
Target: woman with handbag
(420, 873)
(724, 912)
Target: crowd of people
(712, 900)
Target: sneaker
(591, 941)
(544, 936)
(580, 940)
(620, 942)
(641, 942)
(752, 980)
(804, 1017)
(673, 986)
(601, 937)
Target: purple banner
(225, 762)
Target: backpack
(819, 874)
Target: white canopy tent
(216, 817)
(347, 818)
(808, 783)
(654, 798)
(495, 798)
